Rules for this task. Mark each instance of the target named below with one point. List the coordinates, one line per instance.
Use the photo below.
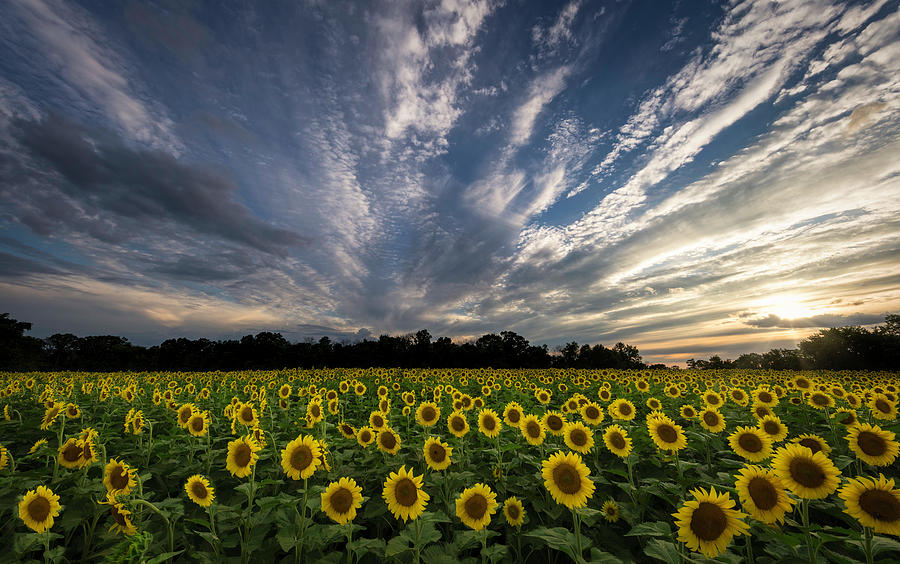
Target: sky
(693, 178)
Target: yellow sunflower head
(578, 437)
(301, 457)
(874, 503)
(512, 414)
(38, 509)
(814, 443)
(711, 420)
(807, 474)
(707, 523)
(121, 516)
(617, 441)
(365, 436)
(404, 495)
(476, 505)
(533, 430)
(242, 456)
(762, 494)
(873, 445)
(199, 491)
(118, 477)
(489, 423)
(567, 479)
(341, 499)
(554, 422)
(592, 414)
(388, 440)
(70, 453)
(457, 424)
(773, 428)
(198, 424)
(610, 511)
(437, 453)
(427, 414)
(666, 434)
(514, 512)
(751, 444)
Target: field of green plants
(443, 466)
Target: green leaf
(600, 557)
(559, 538)
(883, 544)
(363, 546)
(163, 557)
(286, 539)
(495, 552)
(654, 529)
(396, 545)
(662, 550)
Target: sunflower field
(441, 466)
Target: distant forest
(841, 348)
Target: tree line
(838, 348)
(267, 350)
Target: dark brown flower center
(712, 400)
(301, 457)
(592, 412)
(711, 418)
(476, 506)
(617, 440)
(197, 424)
(554, 422)
(458, 424)
(762, 411)
(118, 478)
(365, 436)
(871, 443)
(39, 509)
(512, 510)
(763, 493)
(347, 429)
(242, 455)
(708, 521)
(807, 473)
(199, 490)
(750, 442)
(567, 478)
(429, 414)
(820, 399)
(406, 492)
(625, 409)
(880, 504)
(246, 414)
(771, 427)
(388, 440)
(533, 429)
(667, 433)
(342, 500)
(118, 517)
(315, 410)
(765, 397)
(882, 406)
(184, 415)
(578, 437)
(71, 452)
(812, 444)
(802, 383)
(489, 423)
(514, 415)
(378, 421)
(437, 452)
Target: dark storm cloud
(124, 186)
(829, 320)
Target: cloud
(541, 92)
(560, 31)
(827, 320)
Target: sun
(789, 306)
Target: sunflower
(773, 428)
(121, 516)
(610, 511)
(73, 411)
(808, 475)
(882, 407)
(489, 423)
(300, 458)
(118, 477)
(820, 400)
(437, 453)
(347, 430)
(38, 508)
(764, 396)
(567, 479)
(687, 411)
(578, 437)
(712, 399)
(242, 456)
(533, 430)
(621, 409)
(654, 404)
(4, 457)
(404, 495)
(592, 414)
(762, 494)
(457, 424)
(711, 420)
(873, 445)
(739, 397)
(341, 499)
(37, 444)
(50, 415)
(617, 441)
(514, 512)
(427, 414)
(554, 422)
(199, 491)
(377, 420)
(365, 436)
(814, 443)
(846, 417)
(707, 523)
(666, 433)
(70, 453)
(476, 505)
(314, 412)
(246, 414)
(750, 443)
(198, 424)
(183, 415)
(388, 440)
(874, 503)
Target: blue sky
(694, 178)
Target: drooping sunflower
(121, 516)
(762, 494)
(533, 430)
(476, 505)
(617, 441)
(70, 453)
(711, 420)
(4, 457)
(808, 475)
(457, 424)
(750, 443)
(666, 433)
(773, 428)
(514, 512)
(873, 445)
(512, 414)
(388, 440)
(578, 437)
(341, 499)
(118, 477)
(300, 458)
(437, 453)
(242, 456)
(610, 511)
(814, 443)
(874, 503)
(489, 423)
(404, 495)
(592, 414)
(198, 424)
(621, 409)
(567, 479)
(707, 524)
(427, 414)
(199, 491)
(38, 509)
(365, 436)
(37, 444)
(347, 430)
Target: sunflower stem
(298, 554)
(349, 527)
(867, 545)
(483, 546)
(212, 529)
(577, 521)
(804, 516)
(45, 536)
(748, 544)
(245, 553)
(169, 527)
